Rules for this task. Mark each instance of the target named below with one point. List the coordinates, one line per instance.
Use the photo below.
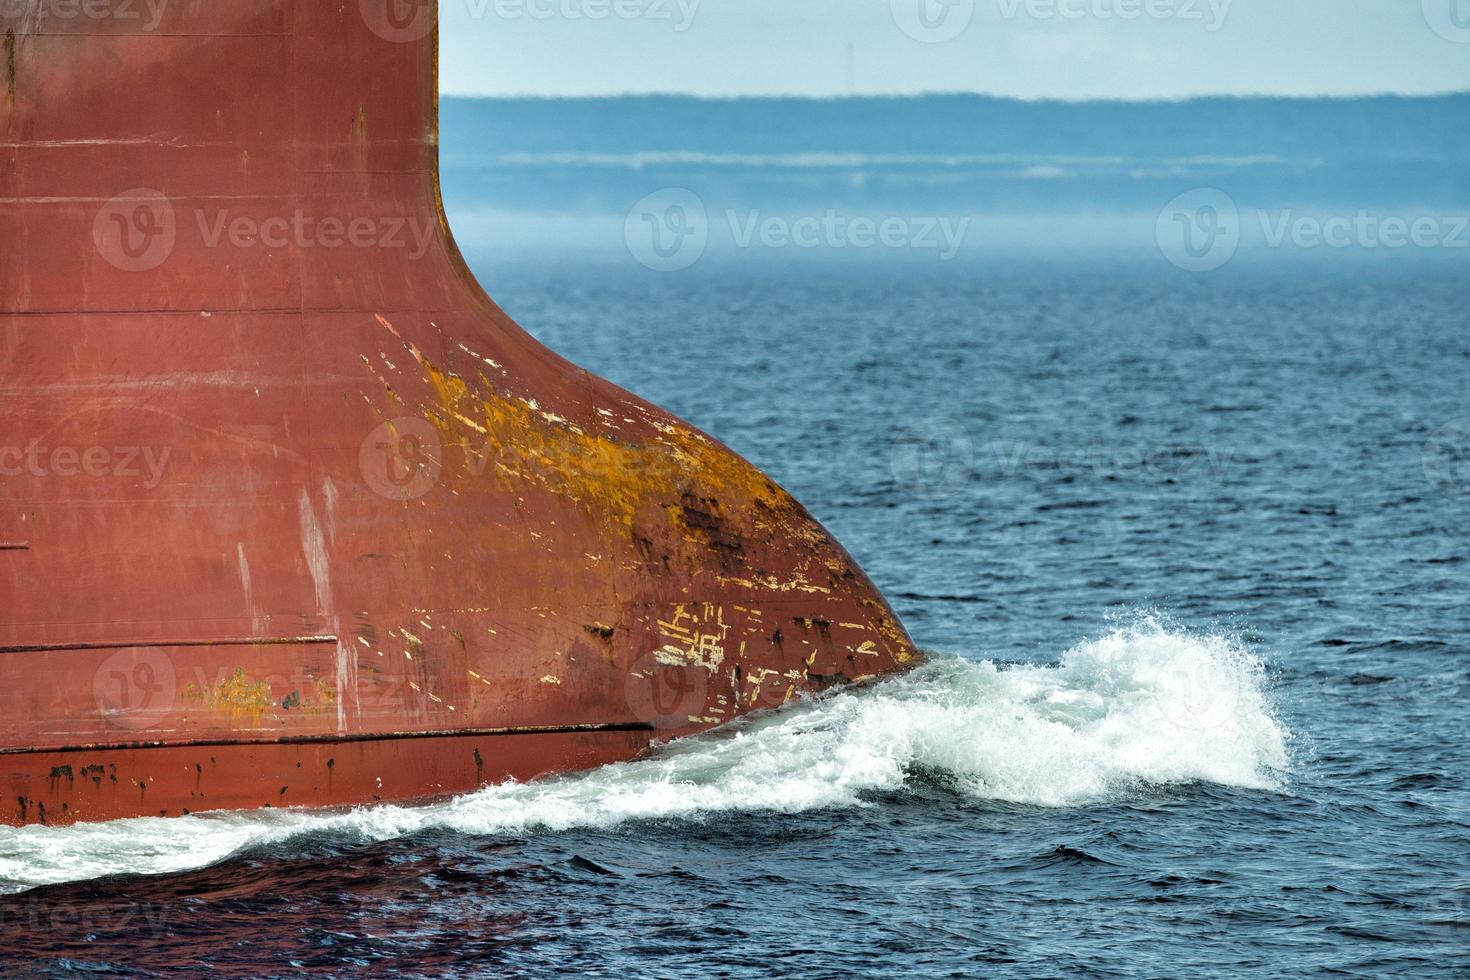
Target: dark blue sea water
(1191, 553)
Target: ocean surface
(1190, 555)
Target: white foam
(1144, 705)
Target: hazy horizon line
(950, 94)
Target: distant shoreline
(975, 96)
(1293, 174)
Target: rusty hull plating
(292, 513)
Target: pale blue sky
(1073, 49)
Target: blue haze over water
(1189, 549)
(1049, 176)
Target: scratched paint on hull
(295, 483)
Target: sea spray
(1146, 704)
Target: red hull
(69, 787)
(292, 513)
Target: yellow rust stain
(697, 638)
(756, 680)
(523, 443)
(772, 583)
(238, 694)
(898, 644)
(674, 478)
(10, 66)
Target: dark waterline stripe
(336, 739)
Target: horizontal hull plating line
(285, 641)
(340, 739)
